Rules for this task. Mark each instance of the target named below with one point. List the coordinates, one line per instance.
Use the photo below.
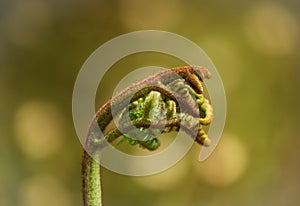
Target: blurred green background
(255, 47)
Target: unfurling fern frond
(167, 107)
(165, 102)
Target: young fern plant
(167, 101)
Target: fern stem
(91, 181)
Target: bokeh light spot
(226, 164)
(271, 29)
(165, 180)
(150, 14)
(39, 129)
(43, 190)
(27, 20)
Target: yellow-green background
(255, 47)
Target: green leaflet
(157, 106)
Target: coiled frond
(168, 105)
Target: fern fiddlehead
(162, 103)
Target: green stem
(91, 181)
